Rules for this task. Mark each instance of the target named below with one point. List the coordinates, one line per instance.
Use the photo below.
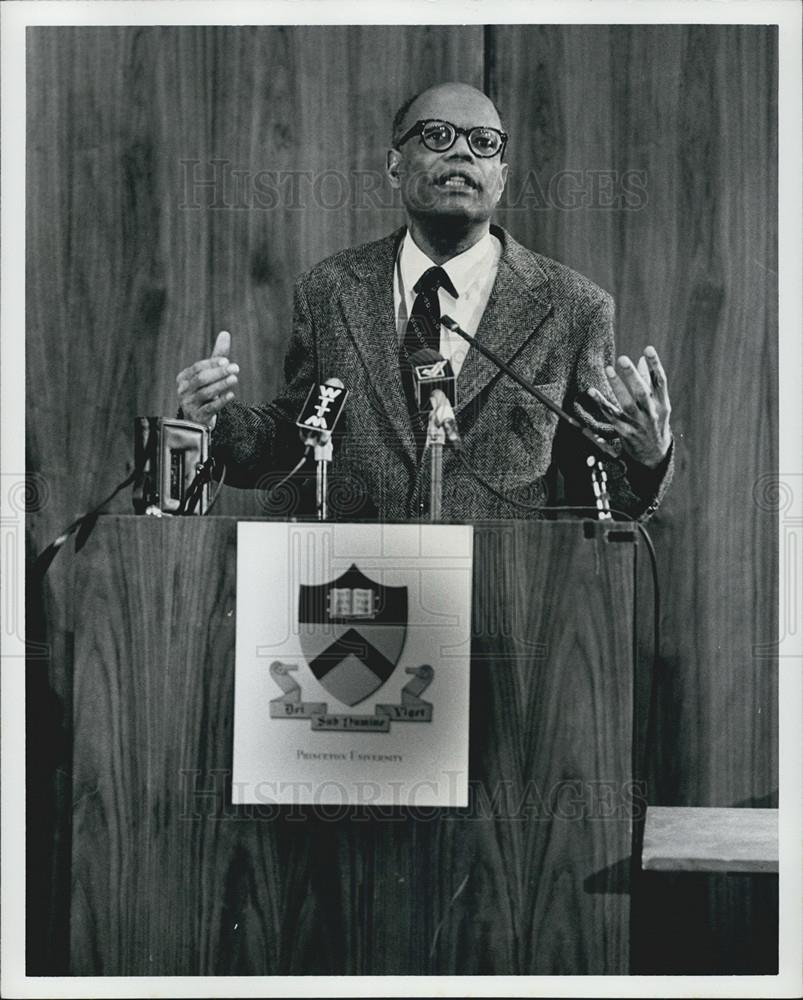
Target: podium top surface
(608, 524)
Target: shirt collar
(462, 269)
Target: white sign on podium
(352, 664)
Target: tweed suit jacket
(551, 323)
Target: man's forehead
(459, 104)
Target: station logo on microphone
(323, 406)
(352, 664)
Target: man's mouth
(457, 180)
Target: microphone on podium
(321, 411)
(431, 371)
(319, 415)
(435, 388)
(442, 415)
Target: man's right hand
(207, 386)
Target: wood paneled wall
(666, 136)
(644, 157)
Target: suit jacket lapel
(518, 304)
(367, 304)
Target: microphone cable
(308, 449)
(216, 494)
(83, 525)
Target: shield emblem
(352, 633)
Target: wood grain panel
(102, 298)
(532, 877)
(554, 86)
(691, 110)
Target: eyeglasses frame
(418, 128)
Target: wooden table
(698, 839)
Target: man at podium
(360, 315)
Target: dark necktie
(423, 330)
(424, 325)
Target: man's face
(455, 184)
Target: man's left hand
(641, 417)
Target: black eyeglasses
(439, 136)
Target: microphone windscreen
(432, 371)
(322, 407)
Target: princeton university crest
(352, 633)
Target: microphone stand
(600, 447)
(436, 438)
(323, 456)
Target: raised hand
(641, 412)
(207, 386)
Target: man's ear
(502, 180)
(392, 167)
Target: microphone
(319, 414)
(600, 445)
(441, 405)
(431, 371)
(321, 411)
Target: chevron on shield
(352, 633)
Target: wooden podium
(168, 878)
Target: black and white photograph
(402, 499)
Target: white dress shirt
(472, 273)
